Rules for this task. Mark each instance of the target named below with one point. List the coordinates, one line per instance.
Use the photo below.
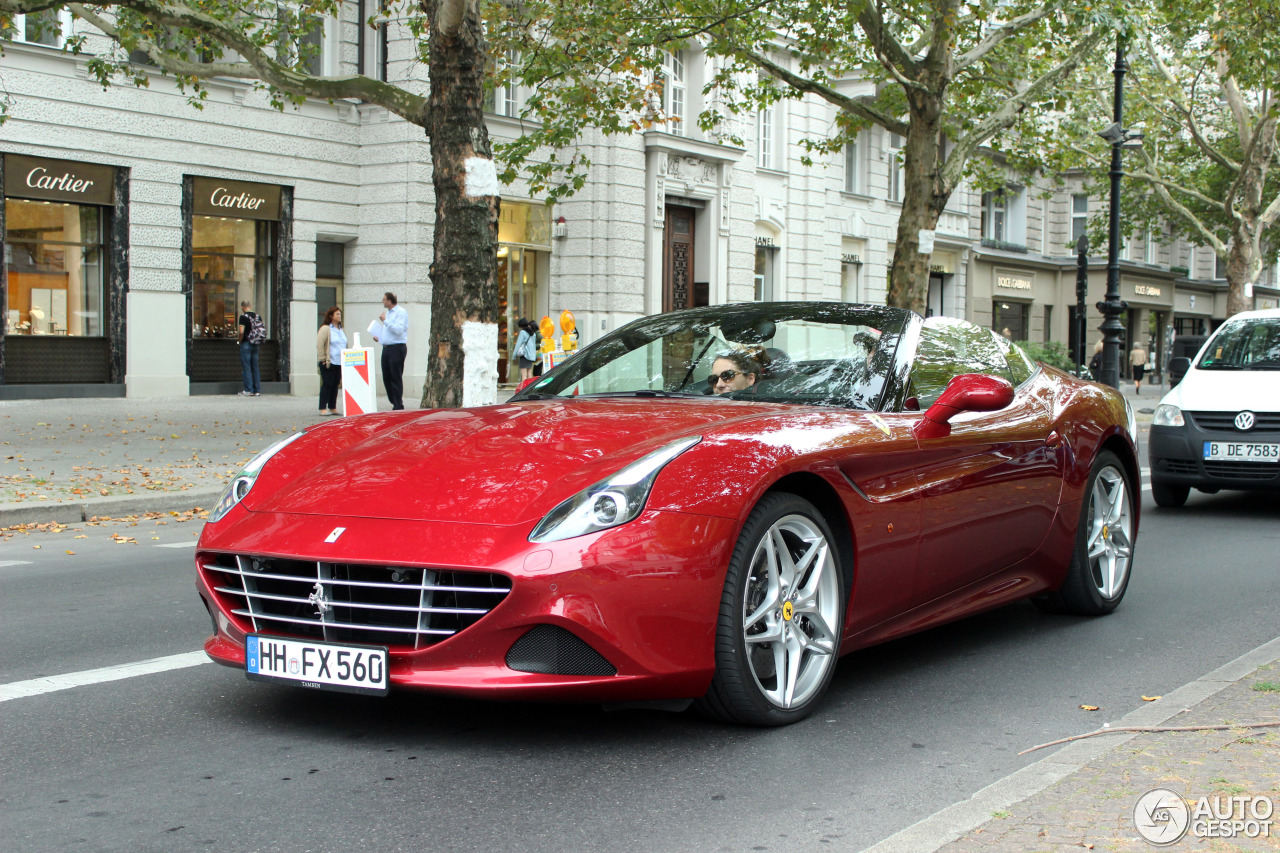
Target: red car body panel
(936, 528)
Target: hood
(1227, 391)
(500, 465)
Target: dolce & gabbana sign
(58, 180)
(239, 199)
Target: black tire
(742, 689)
(1169, 495)
(1090, 589)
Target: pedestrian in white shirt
(395, 348)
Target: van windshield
(1246, 344)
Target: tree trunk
(464, 269)
(923, 198)
(1244, 255)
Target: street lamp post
(1112, 307)
(1082, 293)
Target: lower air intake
(555, 651)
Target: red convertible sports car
(708, 505)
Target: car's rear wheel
(1099, 572)
(781, 613)
(1169, 494)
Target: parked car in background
(1219, 428)
(708, 505)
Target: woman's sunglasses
(724, 375)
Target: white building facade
(135, 224)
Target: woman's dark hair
(328, 317)
(745, 362)
(522, 322)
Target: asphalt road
(199, 758)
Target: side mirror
(968, 392)
(1178, 368)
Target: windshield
(1247, 344)
(826, 354)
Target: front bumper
(645, 596)
(1176, 457)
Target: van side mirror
(1178, 368)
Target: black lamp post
(1082, 293)
(1112, 307)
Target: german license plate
(323, 666)
(1241, 451)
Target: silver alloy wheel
(790, 609)
(1110, 537)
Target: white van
(1219, 428)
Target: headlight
(610, 502)
(244, 481)
(1167, 415)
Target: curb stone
(72, 513)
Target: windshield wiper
(642, 392)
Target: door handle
(1053, 439)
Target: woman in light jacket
(526, 349)
(330, 342)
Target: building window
(766, 260)
(502, 99)
(674, 91)
(56, 263)
(1079, 217)
(316, 46)
(1149, 247)
(995, 217)
(1219, 266)
(1010, 320)
(897, 174)
(853, 167)
(330, 277)
(232, 260)
(372, 47)
(849, 289)
(44, 28)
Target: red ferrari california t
(708, 505)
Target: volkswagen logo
(1244, 421)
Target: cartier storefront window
(57, 216)
(234, 256)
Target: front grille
(1226, 421)
(1243, 470)
(349, 602)
(1178, 466)
(551, 650)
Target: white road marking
(52, 683)
(178, 545)
(4, 564)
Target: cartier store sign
(238, 199)
(58, 180)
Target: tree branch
(857, 106)
(993, 38)
(264, 67)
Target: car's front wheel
(1169, 494)
(1099, 572)
(781, 613)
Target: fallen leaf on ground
(1088, 707)
(1151, 698)
(72, 553)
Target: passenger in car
(733, 370)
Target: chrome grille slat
(352, 602)
(1226, 421)
(346, 605)
(294, 620)
(367, 584)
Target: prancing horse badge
(337, 531)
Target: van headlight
(1167, 415)
(243, 481)
(612, 501)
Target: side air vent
(554, 651)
